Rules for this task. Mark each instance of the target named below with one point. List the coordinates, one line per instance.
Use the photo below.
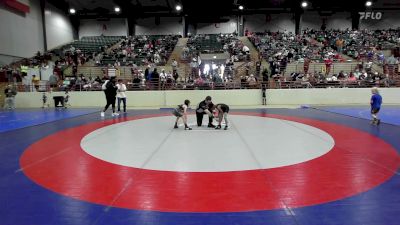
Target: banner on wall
(370, 15)
(18, 5)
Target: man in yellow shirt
(339, 45)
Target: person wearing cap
(204, 107)
(376, 102)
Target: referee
(204, 107)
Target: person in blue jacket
(376, 102)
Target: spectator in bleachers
(155, 79)
(246, 50)
(258, 68)
(252, 81)
(147, 73)
(35, 82)
(98, 79)
(8, 72)
(339, 44)
(391, 60)
(199, 81)
(174, 65)
(10, 92)
(53, 80)
(328, 65)
(163, 79)
(142, 50)
(194, 67)
(175, 75)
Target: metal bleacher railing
(162, 86)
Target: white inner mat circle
(250, 143)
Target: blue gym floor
(24, 202)
(11, 120)
(388, 114)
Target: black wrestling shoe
(218, 127)
(211, 125)
(226, 128)
(188, 128)
(176, 126)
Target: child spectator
(376, 102)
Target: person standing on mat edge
(181, 112)
(121, 96)
(111, 93)
(223, 111)
(376, 102)
(264, 95)
(204, 107)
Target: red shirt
(328, 62)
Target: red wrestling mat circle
(358, 162)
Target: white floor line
(42, 160)
(118, 195)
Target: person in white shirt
(174, 65)
(121, 96)
(163, 79)
(246, 49)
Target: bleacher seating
(142, 50)
(93, 44)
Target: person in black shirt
(223, 111)
(204, 107)
(155, 79)
(264, 96)
(111, 93)
(147, 73)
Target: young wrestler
(223, 111)
(376, 102)
(181, 112)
